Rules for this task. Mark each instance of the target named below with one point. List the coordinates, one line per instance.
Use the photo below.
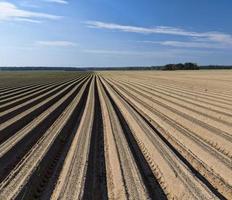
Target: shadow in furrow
(42, 183)
(19, 110)
(176, 152)
(24, 94)
(95, 185)
(16, 153)
(16, 126)
(4, 98)
(18, 90)
(153, 187)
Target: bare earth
(116, 135)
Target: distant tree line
(216, 67)
(169, 67)
(180, 66)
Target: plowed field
(116, 135)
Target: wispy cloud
(57, 1)
(56, 43)
(115, 52)
(160, 53)
(9, 12)
(190, 44)
(206, 36)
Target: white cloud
(27, 20)
(56, 43)
(187, 44)
(115, 52)
(9, 11)
(57, 1)
(206, 36)
(159, 53)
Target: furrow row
(188, 147)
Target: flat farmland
(116, 135)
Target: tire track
(12, 108)
(173, 175)
(222, 117)
(13, 156)
(197, 168)
(15, 124)
(152, 185)
(215, 134)
(71, 180)
(29, 93)
(95, 184)
(125, 181)
(34, 167)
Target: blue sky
(114, 33)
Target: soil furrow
(71, 180)
(17, 124)
(30, 93)
(195, 167)
(42, 182)
(95, 184)
(152, 185)
(125, 167)
(208, 137)
(34, 167)
(14, 155)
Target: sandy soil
(116, 135)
